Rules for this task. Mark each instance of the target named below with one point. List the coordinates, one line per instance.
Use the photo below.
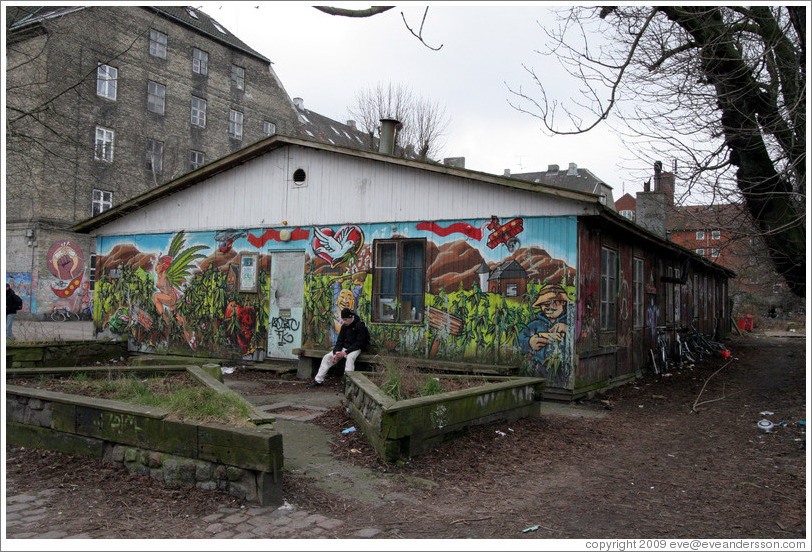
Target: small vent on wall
(299, 178)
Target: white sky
(326, 60)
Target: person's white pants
(327, 362)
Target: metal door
(286, 302)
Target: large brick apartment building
(723, 233)
(105, 103)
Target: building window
(196, 159)
(628, 213)
(106, 81)
(157, 44)
(198, 111)
(637, 301)
(92, 272)
(200, 62)
(268, 128)
(101, 201)
(700, 252)
(156, 97)
(238, 77)
(716, 234)
(155, 156)
(608, 288)
(397, 287)
(715, 252)
(235, 124)
(700, 234)
(104, 144)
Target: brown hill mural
(458, 262)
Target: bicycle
(62, 314)
(700, 344)
(659, 355)
(683, 352)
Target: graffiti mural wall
(487, 290)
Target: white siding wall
(338, 189)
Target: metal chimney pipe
(658, 170)
(387, 142)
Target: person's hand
(538, 341)
(338, 356)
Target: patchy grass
(179, 393)
(402, 379)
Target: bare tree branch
(419, 36)
(344, 12)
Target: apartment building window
(102, 201)
(155, 156)
(104, 144)
(235, 124)
(608, 288)
(628, 213)
(196, 159)
(715, 252)
(700, 234)
(238, 77)
(716, 234)
(268, 128)
(106, 81)
(200, 61)
(156, 97)
(157, 44)
(701, 251)
(92, 272)
(398, 280)
(637, 300)
(198, 111)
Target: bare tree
(422, 122)
(721, 89)
(375, 10)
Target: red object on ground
(745, 322)
(725, 353)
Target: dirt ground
(682, 457)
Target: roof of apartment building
(573, 178)
(19, 18)
(318, 127)
(701, 217)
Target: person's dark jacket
(13, 302)
(353, 337)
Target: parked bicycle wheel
(58, 315)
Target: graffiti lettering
(283, 326)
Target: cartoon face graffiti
(543, 337)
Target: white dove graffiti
(333, 248)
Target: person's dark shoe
(313, 384)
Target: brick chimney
(653, 206)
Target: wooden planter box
(407, 428)
(244, 461)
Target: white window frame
(701, 251)
(200, 61)
(268, 128)
(700, 234)
(714, 252)
(628, 213)
(716, 234)
(196, 159)
(235, 124)
(155, 156)
(609, 273)
(156, 97)
(238, 77)
(106, 81)
(101, 201)
(104, 144)
(157, 44)
(198, 112)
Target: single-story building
(254, 255)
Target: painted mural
(21, 284)
(71, 287)
(490, 291)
